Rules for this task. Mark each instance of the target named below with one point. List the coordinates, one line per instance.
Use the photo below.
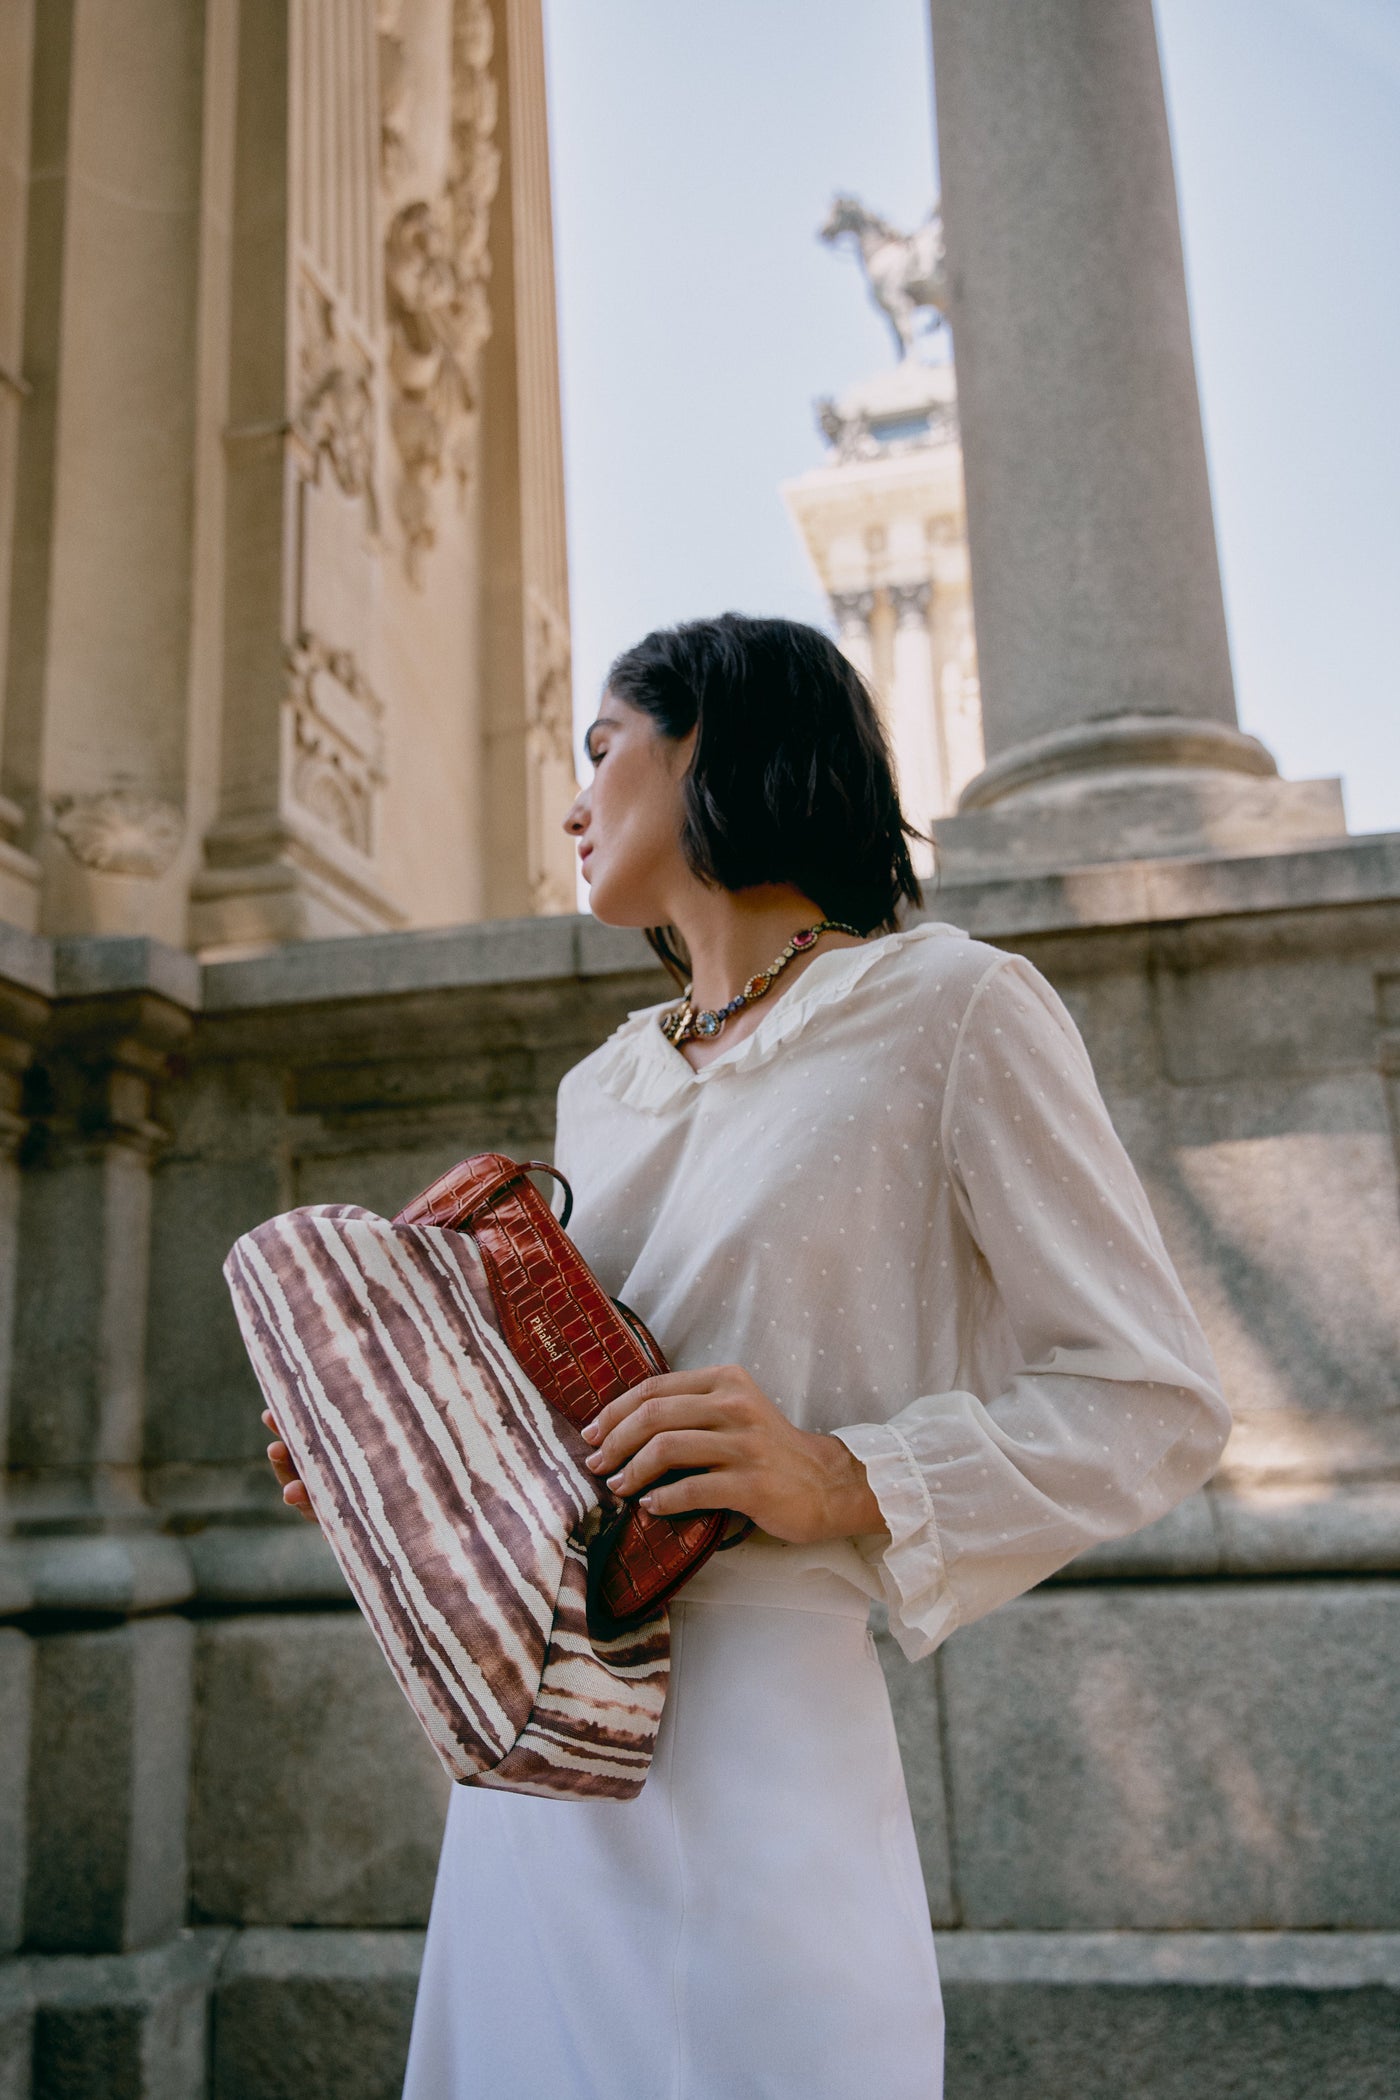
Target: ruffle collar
(642, 1070)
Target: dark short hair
(791, 779)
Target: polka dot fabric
(901, 1206)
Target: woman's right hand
(288, 1479)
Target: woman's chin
(611, 909)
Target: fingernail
(615, 1479)
(648, 1502)
(592, 1433)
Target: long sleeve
(1111, 1411)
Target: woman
(861, 1185)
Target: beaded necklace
(682, 1024)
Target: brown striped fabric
(454, 1498)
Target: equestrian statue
(905, 272)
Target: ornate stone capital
(911, 602)
(852, 611)
(120, 831)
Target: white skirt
(752, 1927)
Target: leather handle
(509, 1177)
(542, 1166)
(650, 1347)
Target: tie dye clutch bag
(454, 1497)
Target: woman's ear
(681, 750)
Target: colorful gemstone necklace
(682, 1023)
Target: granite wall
(1155, 1798)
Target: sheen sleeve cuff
(908, 1562)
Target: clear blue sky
(695, 149)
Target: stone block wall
(1154, 1798)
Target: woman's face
(627, 821)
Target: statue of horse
(904, 271)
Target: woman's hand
(796, 1484)
(288, 1479)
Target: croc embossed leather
(580, 1349)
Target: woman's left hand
(741, 1452)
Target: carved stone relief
(853, 434)
(334, 418)
(436, 265)
(549, 738)
(120, 831)
(334, 737)
(394, 157)
(548, 678)
(331, 736)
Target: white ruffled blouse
(900, 1205)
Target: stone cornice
(1118, 895)
(1114, 896)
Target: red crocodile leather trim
(575, 1347)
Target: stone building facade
(283, 593)
(1155, 1798)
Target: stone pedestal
(1107, 698)
(1132, 788)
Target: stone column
(296, 846)
(852, 611)
(528, 757)
(958, 698)
(914, 723)
(97, 660)
(1107, 699)
(19, 875)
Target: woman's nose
(577, 816)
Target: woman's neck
(732, 934)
